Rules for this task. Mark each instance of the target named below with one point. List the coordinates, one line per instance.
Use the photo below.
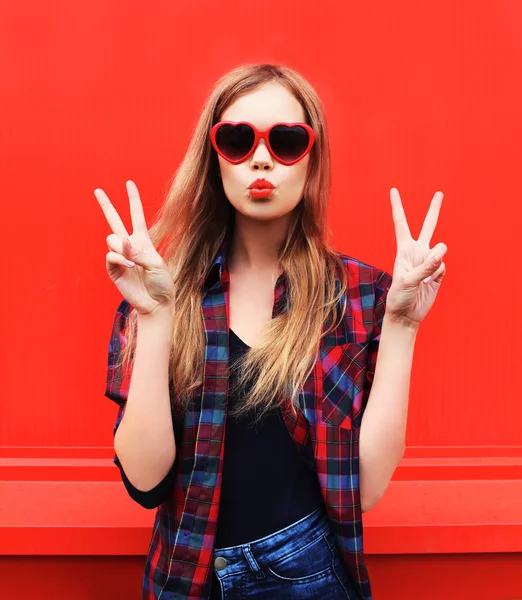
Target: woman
(252, 346)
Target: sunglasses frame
(264, 135)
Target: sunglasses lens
(289, 143)
(235, 141)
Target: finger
(111, 214)
(117, 260)
(120, 246)
(136, 208)
(115, 243)
(430, 222)
(128, 250)
(437, 276)
(439, 249)
(402, 231)
(442, 273)
(123, 247)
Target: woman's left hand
(409, 297)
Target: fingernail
(129, 263)
(435, 259)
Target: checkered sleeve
(117, 389)
(118, 379)
(381, 288)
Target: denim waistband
(269, 548)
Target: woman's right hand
(148, 285)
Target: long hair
(196, 218)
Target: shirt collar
(216, 270)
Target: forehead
(262, 107)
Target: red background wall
(419, 96)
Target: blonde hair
(196, 219)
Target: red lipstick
(261, 188)
(261, 184)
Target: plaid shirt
(326, 432)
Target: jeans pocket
(309, 563)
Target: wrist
(157, 325)
(397, 322)
(162, 311)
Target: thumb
(428, 267)
(129, 251)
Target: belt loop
(252, 562)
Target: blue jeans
(299, 561)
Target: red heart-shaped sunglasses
(287, 142)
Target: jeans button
(220, 563)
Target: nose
(261, 157)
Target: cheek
(298, 174)
(228, 173)
(233, 186)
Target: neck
(255, 243)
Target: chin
(262, 209)
(265, 214)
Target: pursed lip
(261, 184)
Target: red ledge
(441, 500)
(413, 517)
(98, 466)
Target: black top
(266, 485)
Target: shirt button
(220, 563)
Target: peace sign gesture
(133, 264)
(416, 278)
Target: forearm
(382, 437)
(144, 441)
